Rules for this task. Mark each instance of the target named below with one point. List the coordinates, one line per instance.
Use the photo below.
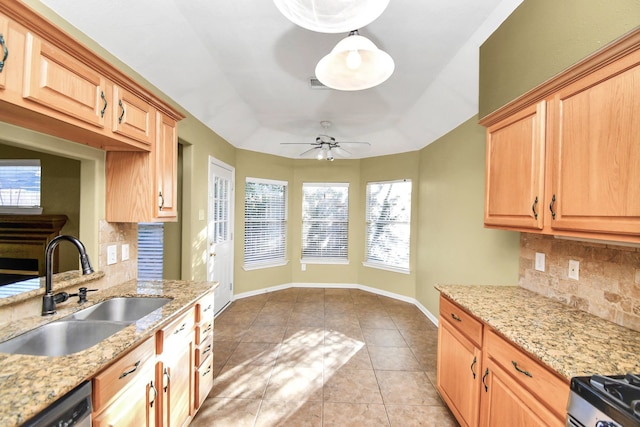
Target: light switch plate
(574, 270)
(112, 254)
(125, 252)
(539, 261)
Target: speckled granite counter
(569, 341)
(28, 384)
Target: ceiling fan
(326, 147)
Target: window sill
(336, 261)
(261, 265)
(386, 267)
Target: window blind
(325, 221)
(388, 219)
(150, 251)
(265, 221)
(20, 183)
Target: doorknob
(212, 254)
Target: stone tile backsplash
(609, 276)
(117, 234)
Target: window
(150, 251)
(20, 186)
(325, 222)
(388, 225)
(265, 223)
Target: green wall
(543, 37)
(60, 194)
(453, 245)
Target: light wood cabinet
(571, 144)
(166, 168)
(125, 393)
(203, 373)
(487, 381)
(132, 116)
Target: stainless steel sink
(84, 328)
(120, 309)
(61, 338)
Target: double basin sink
(84, 328)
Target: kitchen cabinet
(487, 381)
(203, 357)
(517, 390)
(562, 159)
(174, 370)
(125, 394)
(459, 362)
(132, 116)
(166, 168)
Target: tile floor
(323, 357)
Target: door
(220, 231)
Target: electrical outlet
(112, 254)
(574, 270)
(539, 261)
(125, 252)
(303, 267)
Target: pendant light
(331, 16)
(355, 63)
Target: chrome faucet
(49, 300)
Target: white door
(220, 231)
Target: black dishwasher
(72, 409)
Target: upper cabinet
(563, 159)
(51, 83)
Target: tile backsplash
(609, 276)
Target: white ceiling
(242, 68)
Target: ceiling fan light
(336, 70)
(331, 16)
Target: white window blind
(265, 222)
(388, 224)
(19, 185)
(325, 221)
(150, 251)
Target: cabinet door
(133, 117)
(459, 367)
(177, 390)
(506, 403)
(166, 154)
(515, 170)
(4, 50)
(596, 153)
(58, 81)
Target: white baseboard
(427, 313)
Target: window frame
(275, 261)
(338, 260)
(382, 265)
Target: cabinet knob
(6, 52)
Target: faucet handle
(82, 294)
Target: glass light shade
(331, 16)
(336, 70)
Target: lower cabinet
(488, 381)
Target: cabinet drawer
(109, 383)
(204, 331)
(204, 381)
(203, 351)
(546, 386)
(463, 321)
(178, 331)
(204, 308)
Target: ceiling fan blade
(308, 151)
(298, 143)
(341, 152)
(353, 142)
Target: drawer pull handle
(130, 371)
(160, 200)
(553, 202)
(155, 394)
(486, 373)
(6, 52)
(177, 331)
(166, 380)
(121, 114)
(206, 350)
(207, 371)
(533, 208)
(515, 365)
(104, 106)
(208, 308)
(456, 318)
(208, 328)
(473, 364)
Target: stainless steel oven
(72, 409)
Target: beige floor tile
(376, 321)
(419, 338)
(354, 415)
(303, 356)
(267, 318)
(304, 335)
(223, 350)
(352, 386)
(253, 353)
(229, 333)
(406, 388)
(264, 333)
(338, 320)
(243, 319)
(295, 383)
(345, 355)
(383, 337)
(289, 414)
(244, 381)
(415, 416)
(393, 358)
(307, 318)
(223, 412)
(343, 333)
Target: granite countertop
(569, 341)
(28, 384)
